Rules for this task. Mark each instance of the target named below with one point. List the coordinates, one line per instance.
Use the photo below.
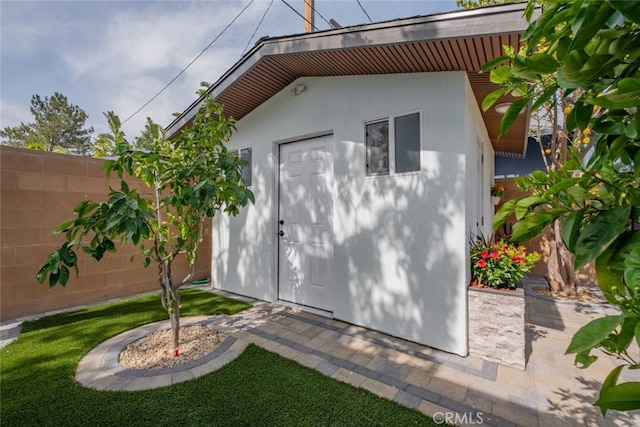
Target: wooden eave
(455, 41)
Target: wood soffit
(456, 41)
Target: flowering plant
(500, 264)
(498, 190)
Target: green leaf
(64, 226)
(108, 245)
(580, 116)
(534, 224)
(544, 97)
(596, 237)
(629, 9)
(628, 84)
(584, 359)
(491, 98)
(609, 127)
(64, 275)
(623, 249)
(593, 333)
(42, 273)
(524, 204)
(495, 62)
(500, 75)
(132, 204)
(609, 382)
(620, 397)
(53, 278)
(599, 14)
(626, 333)
(556, 188)
(574, 61)
(542, 63)
(607, 279)
(617, 101)
(124, 187)
(632, 268)
(637, 333)
(511, 115)
(571, 229)
(565, 84)
(71, 259)
(521, 69)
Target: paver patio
(550, 392)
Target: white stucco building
(371, 164)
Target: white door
(305, 223)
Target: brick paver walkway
(550, 392)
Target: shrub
(500, 264)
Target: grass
(259, 388)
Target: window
(245, 171)
(378, 148)
(393, 145)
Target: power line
(298, 13)
(365, 12)
(393, 8)
(323, 18)
(256, 30)
(190, 63)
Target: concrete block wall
(497, 326)
(38, 191)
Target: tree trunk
(560, 275)
(170, 301)
(175, 320)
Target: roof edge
(268, 46)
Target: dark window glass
(407, 143)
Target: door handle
(281, 233)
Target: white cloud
(141, 50)
(116, 55)
(11, 114)
(153, 38)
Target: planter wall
(496, 326)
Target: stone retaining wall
(496, 326)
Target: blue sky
(116, 55)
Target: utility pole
(309, 22)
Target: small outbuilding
(371, 163)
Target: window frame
(391, 119)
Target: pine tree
(58, 126)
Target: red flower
(493, 255)
(504, 250)
(517, 258)
(484, 255)
(482, 264)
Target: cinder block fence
(38, 191)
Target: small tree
(58, 126)
(191, 178)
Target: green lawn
(37, 385)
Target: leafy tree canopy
(190, 177)
(58, 126)
(589, 51)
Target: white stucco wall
(400, 250)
